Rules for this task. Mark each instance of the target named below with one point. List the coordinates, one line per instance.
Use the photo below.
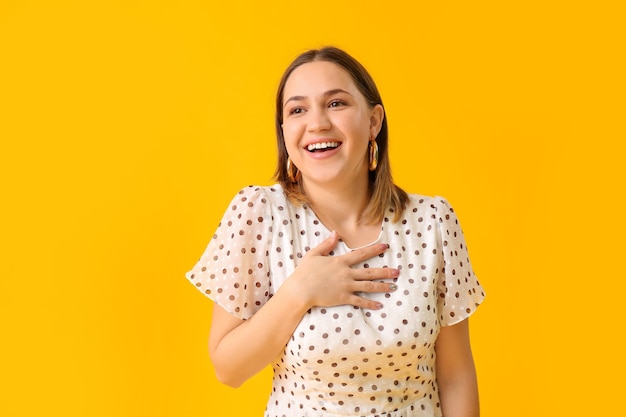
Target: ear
(376, 120)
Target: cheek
(291, 133)
(357, 125)
(290, 136)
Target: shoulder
(429, 209)
(420, 202)
(258, 197)
(255, 203)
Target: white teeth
(322, 145)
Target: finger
(357, 301)
(372, 286)
(366, 253)
(368, 274)
(326, 246)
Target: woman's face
(327, 124)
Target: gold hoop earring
(290, 174)
(373, 155)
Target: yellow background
(126, 127)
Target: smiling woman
(356, 292)
(358, 84)
(316, 113)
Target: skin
(322, 104)
(456, 374)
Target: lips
(322, 146)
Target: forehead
(317, 77)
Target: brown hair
(384, 192)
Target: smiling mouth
(322, 146)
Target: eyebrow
(326, 94)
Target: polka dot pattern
(345, 360)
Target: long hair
(384, 192)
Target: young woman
(357, 293)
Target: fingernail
(333, 234)
(393, 287)
(379, 305)
(395, 272)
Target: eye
(336, 103)
(296, 110)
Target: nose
(318, 120)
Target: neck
(339, 207)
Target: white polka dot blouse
(344, 360)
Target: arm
(456, 375)
(239, 349)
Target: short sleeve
(233, 270)
(459, 291)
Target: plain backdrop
(127, 126)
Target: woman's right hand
(241, 348)
(326, 281)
